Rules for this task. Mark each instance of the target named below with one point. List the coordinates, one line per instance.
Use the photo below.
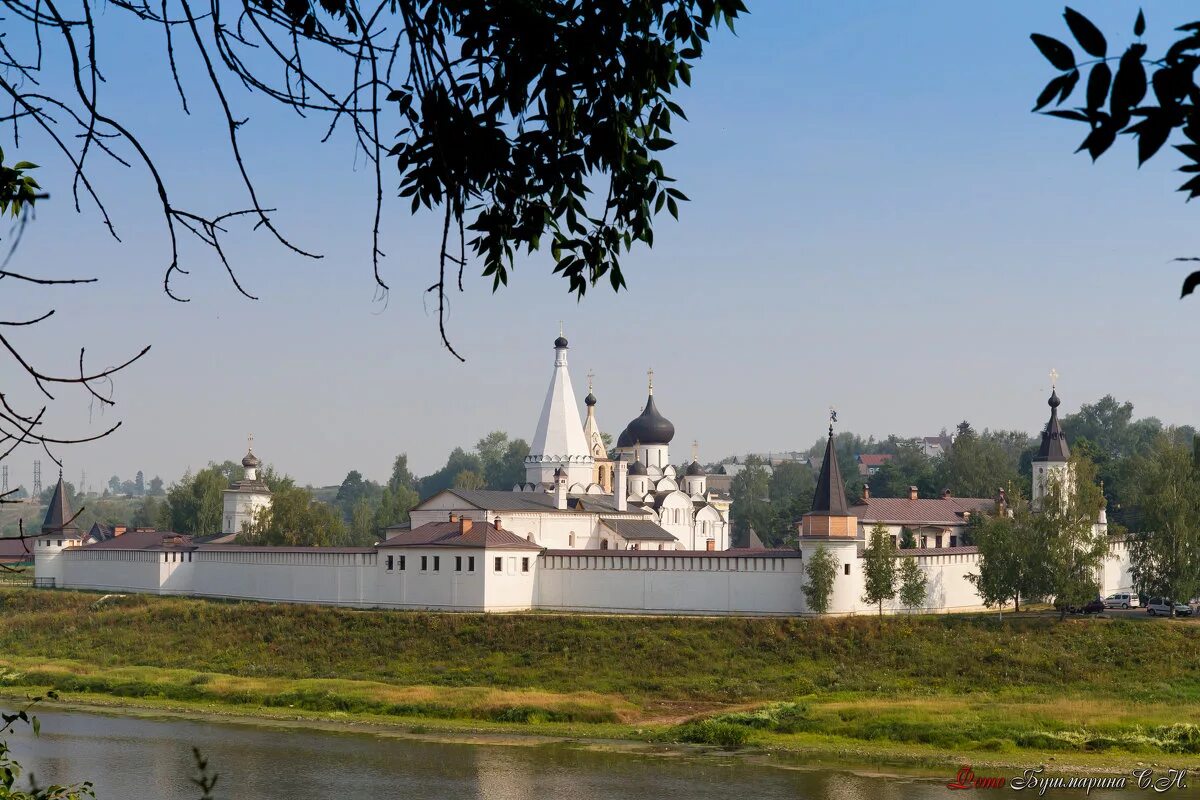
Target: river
(139, 758)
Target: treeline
(138, 487)
(978, 464)
(353, 516)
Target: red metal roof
(875, 459)
(922, 511)
(451, 534)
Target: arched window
(604, 544)
(571, 539)
(677, 516)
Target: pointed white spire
(559, 442)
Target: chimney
(453, 517)
(560, 490)
(945, 494)
(912, 493)
(496, 524)
(866, 495)
(621, 485)
(464, 525)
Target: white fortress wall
(632, 581)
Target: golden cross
(250, 443)
(1053, 378)
(650, 375)
(560, 329)
(590, 376)
(695, 450)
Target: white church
(576, 497)
(587, 531)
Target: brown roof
(142, 540)
(875, 459)
(734, 553)
(932, 551)
(922, 511)
(638, 530)
(15, 549)
(451, 534)
(238, 548)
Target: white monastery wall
(670, 582)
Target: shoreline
(895, 760)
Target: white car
(1162, 605)
(1122, 600)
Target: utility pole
(37, 478)
(4, 480)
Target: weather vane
(832, 419)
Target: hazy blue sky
(878, 223)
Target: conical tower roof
(1054, 441)
(830, 497)
(59, 517)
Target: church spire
(1054, 440)
(830, 497)
(59, 517)
(830, 517)
(559, 441)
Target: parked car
(1122, 600)
(1094, 606)
(1162, 605)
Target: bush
(711, 731)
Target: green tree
(1074, 550)
(879, 568)
(196, 501)
(1011, 559)
(979, 464)
(458, 461)
(790, 492)
(821, 571)
(908, 467)
(750, 490)
(907, 539)
(156, 486)
(362, 530)
(469, 479)
(913, 583)
(1165, 554)
(295, 519)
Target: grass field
(1091, 691)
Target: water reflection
(151, 759)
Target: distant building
(934, 446)
(869, 463)
(243, 499)
(934, 521)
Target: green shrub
(711, 731)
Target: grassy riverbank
(1090, 692)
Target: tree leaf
(1099, 80)
(1189, 284)
(1152, 133)
(1088, 35)
(1077, 116)
(1050, 92)
(1129, 87)
(1055, 51)
(1072, 78)
(1139, 26)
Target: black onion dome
(694, 469)
(590, 400)
(637, 468)
(626, 439)
(1054, 402)
(250, 460)
(651, 427)
(561, 341)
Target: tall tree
(1074, 549)
(821, 570)
(156, 485)
(751, 507)
(139, 484)
(196, 501)
(1166, 551)
(913, 583)
(1011, 559)
(979, 464)
(908, 467)
(879, 568)
(295, 519)
(790, 491)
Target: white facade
(559, 442)
(244, 499)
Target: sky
(877, 223)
